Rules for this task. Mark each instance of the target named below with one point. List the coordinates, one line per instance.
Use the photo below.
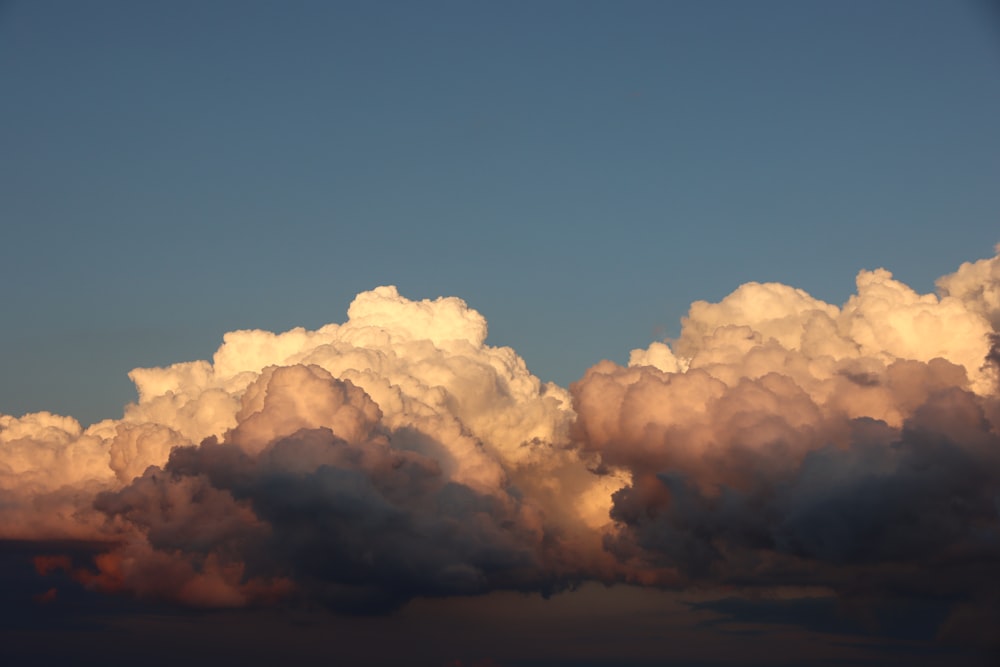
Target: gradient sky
(579, 172)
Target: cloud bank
(779, 441)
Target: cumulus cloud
(783, 440)
(312, 489)
(362, 463)
(778, 441)
(50, 469)
(977, 286)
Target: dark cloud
(362, 525)
(885, 514)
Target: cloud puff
(50, 469)
(977, 286)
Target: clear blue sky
(577, 171)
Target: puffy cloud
(136, 447)
(46, 451)
(393, 455)
(311, 491)
(779, 441)
(888, 320)
(49, 470)
(419, 361)
(883, 322)
(977, 286)
(782, 440)
(771, 309)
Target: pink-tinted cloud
(780, 441)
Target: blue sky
(577, 171)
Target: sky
(776, 222)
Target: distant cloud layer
(779, 441)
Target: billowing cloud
(782, 440)
(361, 464)
(779, 441)
(50, 469)
(312, 490)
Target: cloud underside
(780, 441)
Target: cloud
(977, 286)
(784, 441)
(361, 464)
(312, 491)
(779, 441)
(50, 469)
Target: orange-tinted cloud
(779, 441)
